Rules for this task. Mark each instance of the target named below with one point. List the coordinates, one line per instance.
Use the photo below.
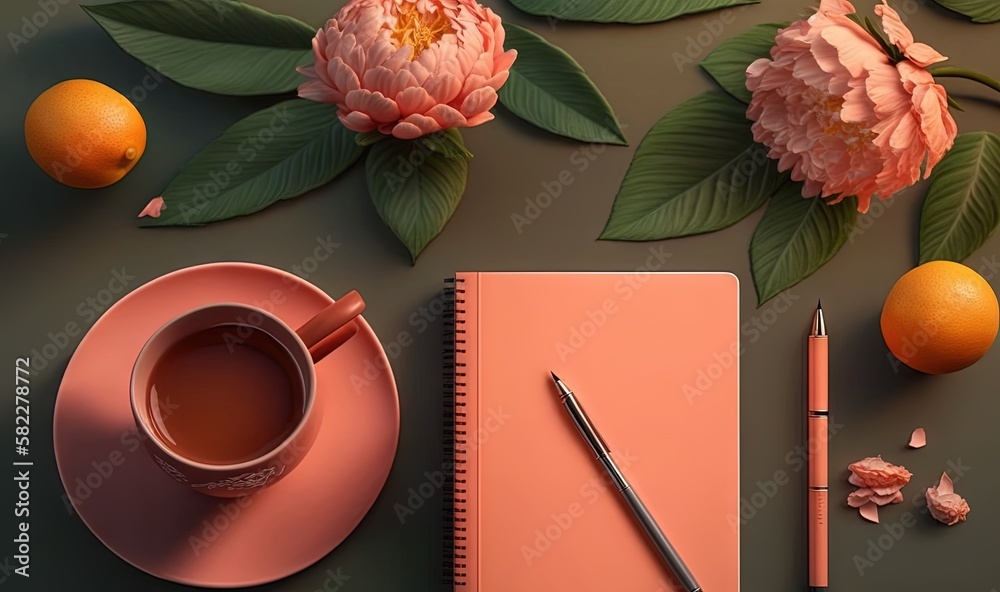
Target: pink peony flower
(944, 504)
(409, 67)
(842, 114)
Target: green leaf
(220, 46)
(962, 208)
(952, 72)
(622, 11)
(416, 185)
(275, 154)
(889, 48)
(728, 62)
(796, 237)
(368, 138)
(697, 170)
(550, 90)
(448, 143)
(980, 11)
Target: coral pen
(818, 423)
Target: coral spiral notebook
(653, 357)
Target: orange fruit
(940, 317)
(84, 134)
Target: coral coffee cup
(224, 396)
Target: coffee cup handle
(333, 326)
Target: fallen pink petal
(918, 439)
(882, 500)
(946, 485)
(153, 208)
(944, 504)
(858, 498)
(883, 477)
(878, 483)
(869, 512)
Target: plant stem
(950, 72)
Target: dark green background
(62, 245)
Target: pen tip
(819, 323)
(819, 305)
(563, 389)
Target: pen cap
(819, 378)
(817, 448)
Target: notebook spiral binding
(455, 501)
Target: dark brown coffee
(225, 395)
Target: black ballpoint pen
(603, 453)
